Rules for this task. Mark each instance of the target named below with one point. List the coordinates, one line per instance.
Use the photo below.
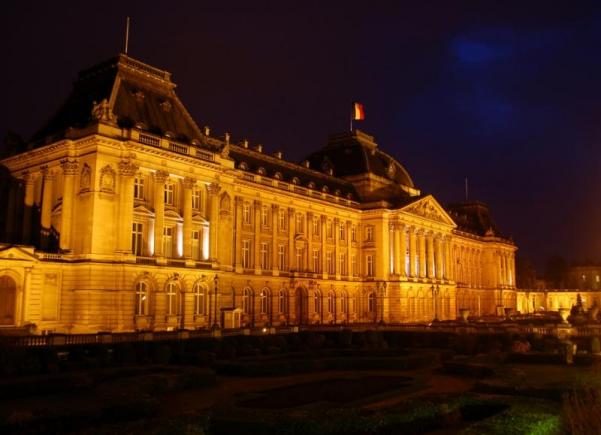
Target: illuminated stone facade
(130, 217)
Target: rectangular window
(264, 255)
(330, 229)
(316, 226)
(196, 245)
(342, 231)
(354, 265)
(299, 259)
(168, 241)
(169, 194)
(353, 233)
(330, 263)
(315, 260)
(343, 270)
(196, 198)
(369, 265)
(264, 216)
(282, 219)
(246, 213)
(246, 254)
(282, 257)
(137, 238)
(300, 223)
(139, 188)
(369, 233)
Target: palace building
(121, 214)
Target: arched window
(371, 302)
(331, 302)
(317, 302)
(200, 299)
(282, 301)
(141, 299)
(247, 301)
(344, 303)
(172, 292)
(264, 299)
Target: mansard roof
(137, 94)
(474, 217)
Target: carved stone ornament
(102, 111)
(225, 203)
(391, 170)
(127, 168)
(69, 166)
(107, 179)
(427, 210)
(225, 151)
(85, 180)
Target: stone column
(430, 254)
(412, 252)
(324, 269)
(310, 242)
(188, 185)
(213, 190)
(336, 247)
(69, 172)
(127, 170)
(500, 266)
(28, 203)
(448, 272)
(349, 245)
(275, 210)
(160, 177)
(396, 249)
(257, 239)
(47, 200)
(238, 202)
(421, 238)
(291, 253)
(402, 251)
(438, 256)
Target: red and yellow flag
(358, 112)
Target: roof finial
(126, 35)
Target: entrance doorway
(8, 298)
(302, 309)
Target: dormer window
(261, 171)
(243, 166)
(337, 192)
(277, 175)
(311, 185)
(295, 180)
(325, 189)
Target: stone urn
(592, 313)
(464, 313)
(508, 313)
(564, 313)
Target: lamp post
(435, 292)
(215, 319)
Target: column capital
(275, 207)
(28, 177)
(48, 174)
(127, 168)
(290, 212)
(189, 182)
(69, 166)
(257, 203)
(213, 188)
(161, 176)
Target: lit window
(264, 255)
(196, 245)
(371, 303)
(169, 194)
(317, 303)
(199, 300)
(300, 223)
(282, 301)
(329, 263)
(265, 216)
(168, 242)
(139, 188)
(137, 238)
(299, 259)
(246, 213)
(264, 299)
(353, 233)
(343, 270)
(331, 302)
(330, 229)
(246, 254)
(369, 233)
(315, 260)
(282, 219)
(316, 226)
(342, 231)
(172, 294)
(282, 257)
(196, 198)
(354, 265)
(141, 299)
(343, 303)
(369, 262)
(247, 301)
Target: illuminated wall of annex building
(127, 216)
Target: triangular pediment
(429, 208)
(12, 252)
(142, 210)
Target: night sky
(505, 94)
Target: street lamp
(215, 319)
(435, 292)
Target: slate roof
(138, 94)
(474, 217)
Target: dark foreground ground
(365, 388)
